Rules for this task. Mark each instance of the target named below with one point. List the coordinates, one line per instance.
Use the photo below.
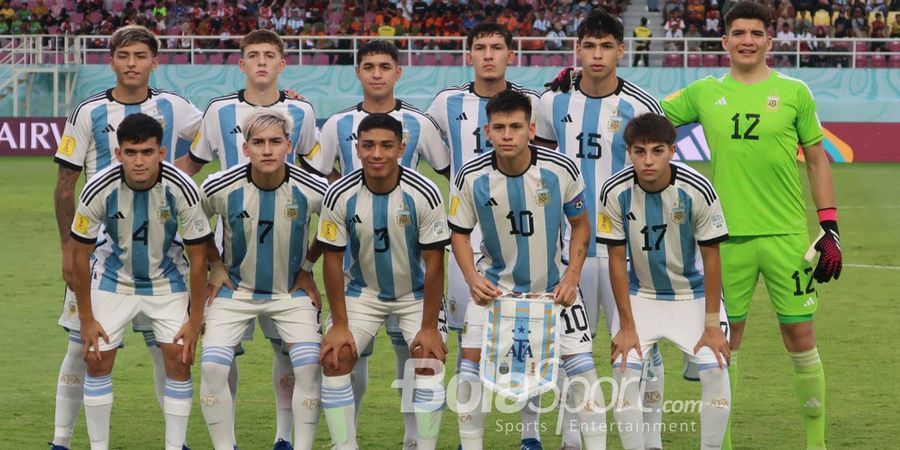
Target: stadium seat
(861, 47)
(726, 60)
(878, 61)
(446, 59)
(710, 60)
(555, 60)
(862, 61)
(216, 58)
(69, 5)
(76, 17)
(233, 58)
(428, 59)
(199, 59)
(894, 62)
(404, 59)
(538, 60)
(306, 59)
(292, 60)
(693, 60)
(118, 6)
(673, 60)
(92, 58)
(164, 58)
(95, 18)
(181, 58)
(894, 46)
(321, 59)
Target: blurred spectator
(842, 19)
(712, 21)
(805, 42)
(5, 11)
(541, 23)
(508, 20)
(674, 25)
(469, 20)
(895, 26)
(554, 37)
(803, 21)
(641, 47)
(822, 47)
(295, 22)
(160, 8)
(693, 32)
(575, 22)
(419, 7)
(823, 5)
(536, 43)
(696, 13)
(652, 5)
(519, 7)
(492, 9)
(859, 25)
(785, 44)
(785, 11)
(878, 25)
(670, 7)
(582, 6)
(876, 5)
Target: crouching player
(661, 213)
(265, 206)
(518, 194)
(390, 221)
(141, 203)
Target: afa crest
(679, 216)
(542, 196)
(163, 213)
(404, 218)
(291, 212)
(615, 124)
(773, 103)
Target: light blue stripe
(235, 206)
(149, 339)
(112, 264)
(625, 204)
(357, 281)
(468, 368)
(578, 364)
(454, 110)
(619, 151)
(485, 144)
(702, 367)
(590, 124)
(384, 269)
(553, 221)
(227, 124)
(521, 273)
(297, 115)
(560, 109)
(689, 246)
(99, 122)
(182, 147)
(481, 193)
(75, 337)
(217, 355)
(412, 126)
(337, 397)
(397, 338)
(140, 258)
(413, 251)
(656, 258)
(170, 140)
(304, 353)
(182, 390)
(633, 366)
(168, 267)
(97, 386)
(265, 244)
(297, 249)
(346, 128)
(520, 333)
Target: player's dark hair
(748, 10)
(380, 121)
(507, 102)
(137, 128)
(649, 128)
(133, 34)
(487, 29)
(599, 24)
(378, 47)
(262, 37)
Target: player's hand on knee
(828, 244)
(566, 292)
(622, 343)
(482, 290)
(305, 281)
(428, 343)
(333, 343)
(189, 334)
(714, 338)
(91, 333)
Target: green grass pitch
(856, 324)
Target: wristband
(827, 214)
(712, 320)
(307, 266)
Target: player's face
(379, 150)
(133, 65)
(267, 150)
(141, 162)
(747, 43)
(378, 73)
(509, 133)
(651, 161)
(262, 63)
(599, 56)
(489, 57)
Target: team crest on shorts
(163, 213)
(615, 124)
(291, 212)
(453, 307)
(678, 215)
(542, 196)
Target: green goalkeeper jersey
(753, 134)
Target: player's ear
(119, 154)
(531, 130)
(162, 152)
(768, 43)
(246, 149)
(620, 51)
(510, 57)
(725, 41)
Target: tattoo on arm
(64, 200)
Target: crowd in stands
(810, 25)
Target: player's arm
(304, 279)
(626, 339)
(566, 291)
(545, 135)
(428, 342)
(190, 331)
(339, 335)
(462, 221)
(713, 336)
(64, 206)
(188, 164)
(83, 232)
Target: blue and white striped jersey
(221, 136)
(520, 216)
(384, 234)
(141, 227)
(89, 140)
(266, 232)
(590, 131)
(337, 140)
(662, 230)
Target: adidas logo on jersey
(462, 116)
(585, 338)
(356, 219)
(243, 215)
(118, 216)
(812, 403)
(721, 102)
(236, 130)
(109, 129)
(491, 202)
(630, 216)
(809, 302)
(351, 138)
(567, 119)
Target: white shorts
(596, 290)
(296, 319)
(574, 333)
(679, 322)
(167, 313)
(458, 294)
(366, 313)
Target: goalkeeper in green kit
(754, 118)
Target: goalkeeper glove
(828, 245)
(564, 81)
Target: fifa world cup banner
(30, 137)
(520, 349)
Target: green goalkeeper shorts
(779, 258)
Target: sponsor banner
(30, 137)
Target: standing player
(378, 71)
(265, 206)
(87, 145)
(262, 61)
(586, 124)
(518, 194)
(754, 118)
(460, 113)
(141, 203)
(659, 213)
(390, 220)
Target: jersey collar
(382, 193)
(109, 97)
(159, 178)
(618, 90)
(472, 88)
(397, 106)
(532, 163)
(287, 176)
(242, 99)
(671, 180)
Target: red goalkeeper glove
(563, 82)
(828, 245)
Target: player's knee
(344, 365)
(215, 364)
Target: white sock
(627, 407)
(283, 381)
(359, 379)
(429, 398)
(531, 418)
(307, 393)
(587, 397)
(98, 400)
(410, 435)
(469, 398)
(716, 405)
(215, 397)
(571, 435)
(69, 392)
(179, 396)
(654, 387)
(159, 365)
(338, 405)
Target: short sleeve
(809, 129)
(323, 155)
(709, 222)
(610, 224)
(332, 232)
(202, 147)
(462, 209)
(438, 112)
(432, 147)
(573, 196)
(544, 118)
(194, 221)
(433, 232)
(88, 217)
(189, 121)
(680, 108)
(75, 142)
(307, 141)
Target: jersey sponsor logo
(678, 215)
(163, 214)
(773, 103)
(81, 223)
(604, 224)
(404, 218)
(291, 212)
(312, 153)
(329, 230)
(67, 145)
(454, 204)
